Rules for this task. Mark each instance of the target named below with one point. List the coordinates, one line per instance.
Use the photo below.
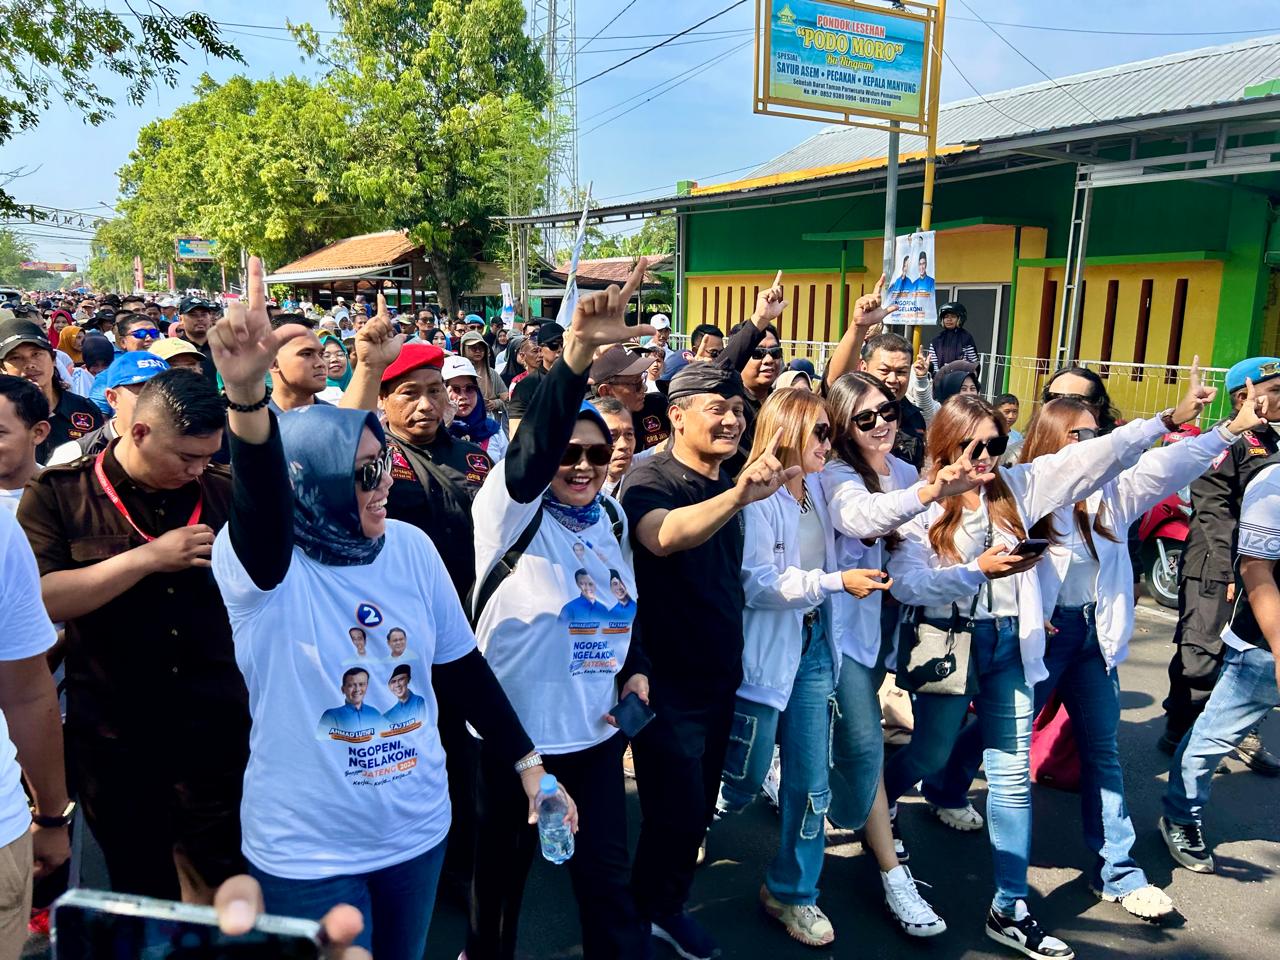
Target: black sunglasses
(714, 352)
(1083, 433)
(597, 454)
(822, 432)
(1089, 398)
(759, 353)
(866, 420)
(996, 446)
(369, 475)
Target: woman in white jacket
(959, 555)
(1090, 627)
(789, 659)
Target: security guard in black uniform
(1207, 584)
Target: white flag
(570, 300)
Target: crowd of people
(326, 595)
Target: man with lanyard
(887, 357)
(1249, 686)
(197, 316)
(123, 381)
(157, 727)
(550, 344)
(683, 509)
(1207, 582)
(619, 373)
(26, 352)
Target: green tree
(255, 165)
(57, 48)
(446, 98)
(14, 251)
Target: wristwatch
(529, 762)
(61, 820)
(1167, 419)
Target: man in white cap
(661, 324)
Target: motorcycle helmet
(956, 307)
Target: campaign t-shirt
(1259, 537)
(695, 642)
(346, 772)
(557, 630)
(27, 633)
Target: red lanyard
(116, 502)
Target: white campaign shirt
(27, 633)
(557, 631)
(1259, 533)
(343, 780)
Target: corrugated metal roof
(1177, 81)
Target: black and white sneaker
(1022, 933)
(685, 936)
(899, 848)
(1186, 845)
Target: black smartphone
(632, 714)
(1030, 547)
(98, 925)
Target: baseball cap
(170, 347)
(1256, 369)
(617, 361)
(188, 304)
(15, 331)
(550, 333)
(456, 366)
(470, 337)
(660, 321)
(136, 367)
(412, 357)
(168, 302)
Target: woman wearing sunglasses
(869, 494)
(554, 603)
(960, 554)
(345, 794)
(790, 659)
(1090, 628)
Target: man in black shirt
(197, 316)
(683, 510)
(157, 727)
(550, 345)
(1207, 582)
(25, 351)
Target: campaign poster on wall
(912, 287)
(846, 58)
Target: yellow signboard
(847, 62)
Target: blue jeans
(803, 731)
(1091, 694)
(857, 745)
(1245, 693)
(396, 902)
(1004, 712)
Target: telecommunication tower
(552, 27)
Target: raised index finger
(879, 285)
(382, 305)
(257, 285)
(636, 278)
(777, 280)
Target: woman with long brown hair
(960, 553)
(1090, 627)
(790, 658)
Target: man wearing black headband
(682, 506)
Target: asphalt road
(1232, 914)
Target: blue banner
(829, 55)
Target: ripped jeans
(803, 732)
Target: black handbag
(936, 656)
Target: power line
(683, 43)
(656, 85)
(703, 69)
(648, 50)
(614, 19)
(1023, 124)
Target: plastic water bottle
(557, 838)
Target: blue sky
(701, 128)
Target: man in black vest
(1248, 687)
(1208, 583)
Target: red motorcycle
(1162, 532)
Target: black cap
(196, 303)
(550, 333)
(14, 333)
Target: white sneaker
(906, 905)
(964, 818)
(1146, 903)
(773, 779)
